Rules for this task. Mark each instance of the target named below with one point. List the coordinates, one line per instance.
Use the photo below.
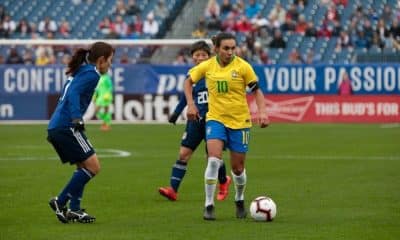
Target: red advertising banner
(329, 108)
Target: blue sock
(222, 173)
(178, 172)
(75, 188)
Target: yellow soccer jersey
(226, 90)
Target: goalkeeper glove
(78, 125)
(173, 118)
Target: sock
(100, 113)
(210, 179)
(240, 185)
(222, 173)
(74, 189)
(177, 174)
(107, 118)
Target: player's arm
(262, 117)
(178, 109)
(192, 112)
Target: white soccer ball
(263, 209)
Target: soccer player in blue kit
(66, 128)
(194, 133)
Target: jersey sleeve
(248, 74)
(197, 72)
(181, 104)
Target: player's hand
(78, 125)
(192, 112)
(172, 119)
(263, 119)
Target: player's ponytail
(81, 55)
(77, 59)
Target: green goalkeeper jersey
(104, 91)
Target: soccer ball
(263, 209)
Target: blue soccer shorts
(236, 140)
(194, 134)
(71, 146)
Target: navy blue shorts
(72, 147)
(194, 134)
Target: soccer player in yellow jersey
(228, 118)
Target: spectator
(387, 14)
(66, 58)
(28, 57)
(301, 4)
(395, 30)
(332, 14)
(279, 13)
(214, 23)
(47, 25)
(180, 60)
(325, 31)
(302, 25)
(252, 9)
(161, 10)
(277, 40)
(150, 26)
(120, 8)
(124, 59)
(9, 26)
(23, 28)
(312, 58)
(340, 2)
(259, 21)
(2, 61)
(65, 29)
(212, 8)
(137, 25)
(382, 30)
(292, 12)
(263, 37)
(43, 55)
(311, 31)
(243, 25)
(368, 30)
(344, 41)
(226, 7)
(228, 25)
(294, 57)
(345, 88)
(133, 8)
(200, 31)
(288, 25)
(106, 26)
(120, 26)
(336, 28)
(14, 57)
(361, 41)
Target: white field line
(324, 157)
(102, 153)
(390, 125)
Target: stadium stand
(125, 19)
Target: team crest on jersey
(235, 74)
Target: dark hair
(217, 39)
(200, 45)
(81, 55)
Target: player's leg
(238, 145)
(85, 172)
(72, 147)
(216, 136)
(191, 138)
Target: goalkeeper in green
(103, 98)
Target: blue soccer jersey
(199, 97)
(75, 97)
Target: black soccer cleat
(240, 209)
(209, 213)
(80, 216)
(61, 211)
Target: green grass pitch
(330, 181)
